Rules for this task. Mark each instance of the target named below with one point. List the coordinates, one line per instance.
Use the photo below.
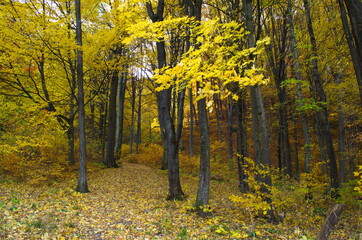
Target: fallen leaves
(128, 203)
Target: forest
(180, 119)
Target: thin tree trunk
(191, 141)
(298, 74)
(296, 157)
(260, 132)
(82, 177)
(277, 61)
(320, 96)
(204, 175)
(230, 133)
(120, 111)
(139, 117)
(133, 104)
(218, 116)
(164, 114)
(241, 143)
(354, 38)
(110, 160)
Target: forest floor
(129, 203)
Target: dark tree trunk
(320, 96)
(164, 114)
(110, 160)
(204, 175)
(133, 109)
(297, 71)
(241, 143)
(296, 157)
(277, 57)
(191, 143)
(260, 132)
(218, 116)
(71, 146)
(139, 117)
(102, 129)
(122, 82)
(354, 37)
(230, 132)
(82, 186)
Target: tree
(320, 96)
(164, 111)
(354, 39)
(82, 177)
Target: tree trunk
(320, 96)
(110, 160)
(218, 116)
(82, 177)
(164, 114)
(298, 74)
(277, 52)
(241, 143)
(139, 117)
(230, 132)
(133, 108)
(331, 221)
(260, 132)
(354, 39)
(191, 141)
(122, 82)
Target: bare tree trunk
(204, 175)
(230, 132)
(277, 55)
(298, 74)
(260, 132)
(139, 117)
(133, 107)
(354, 37)
(191, 143)
(120, 111)
(82, 186)
(241, 143)
(164, 114)
(218, 116)
(320, 96)
(331, 221)
(110, 160)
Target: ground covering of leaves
(129, 203)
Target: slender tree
(167, 126)
(353, 33)
(320, 96)
(82, 177)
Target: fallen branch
(331, 221)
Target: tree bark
(133, 109)
(230, 132)
(122, 82)
(277, 52)
(164, 114)
(320, 96)
(191, 137)
(82, 177)
(241, 143)
(139, 117)
(110, 160)
(331, 221)
(354, 37)
(298, 74)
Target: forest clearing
(181, 119)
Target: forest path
(124, 203)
